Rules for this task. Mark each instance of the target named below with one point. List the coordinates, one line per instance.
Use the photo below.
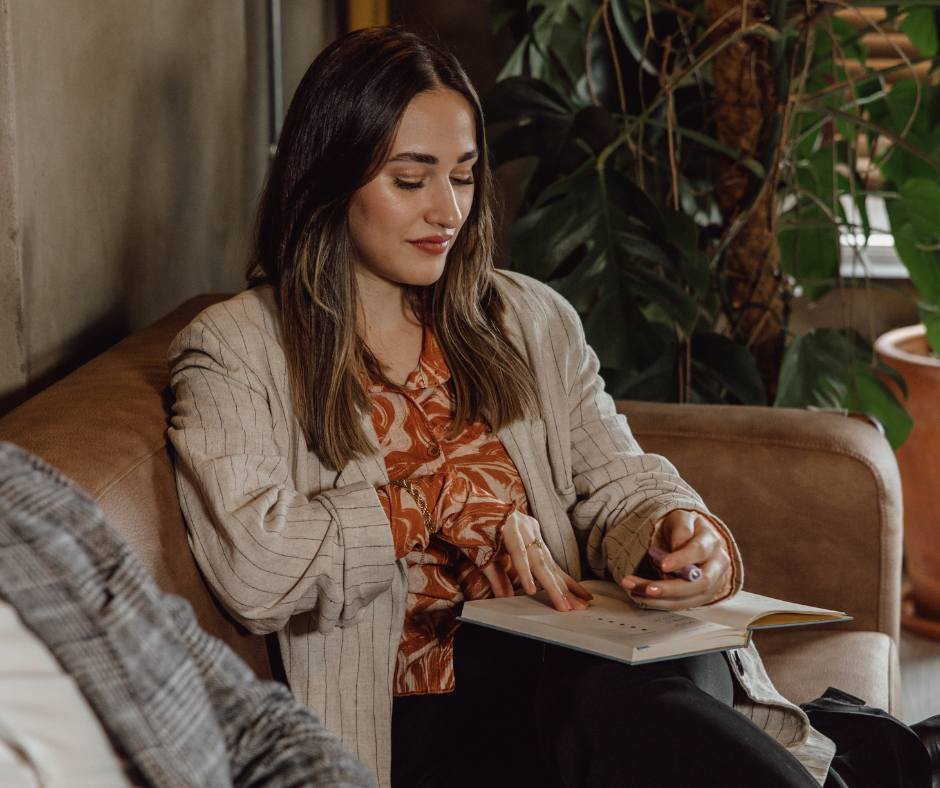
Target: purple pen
(690, 572)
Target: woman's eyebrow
(427, 158)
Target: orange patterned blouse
(470, 486)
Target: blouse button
(434, 450)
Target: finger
(505, 563)
(677, 528)
(713, 572)
(575, 594)
(545, 574)
(654, 595)
(676, 593)
(665, 588)
(702, 547)
(498, 579)
(670, 588)
(513, 542)
(660, 596)
(575, 587)
(555, 588)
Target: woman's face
(404, 221)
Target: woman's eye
(463, 181)
(408, 184)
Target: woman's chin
(422, 278)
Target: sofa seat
(804, 664)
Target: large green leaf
(904, 119)
(869, 394)
(711, 144)
(915, 224)
(815, 371)
(823, 369)
(809, 249)
(673, 300)
(807, 235)
(595, 126)
(559, 35)
(920, 200)
(682, 231)
(850, 43)
(930, 317)
(620, 335)
(519, 142)
(524, 98)
(502, 11)
(730, 366)
(910, 151)
(629, 201)
(543, 239)
(659, 382)
(694, 267)
(921, 28)
(515, 66)
(627, 29)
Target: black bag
(873, 749)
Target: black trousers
(526, 714)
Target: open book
(613, 626)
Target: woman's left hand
(688, 538)
(531, 562)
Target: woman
(383, 426)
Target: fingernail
(652, 589)
(628, 583)
(668, 566)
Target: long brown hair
(337, 134)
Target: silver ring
(537, 542)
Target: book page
(749, 609)
(621, 622)
(744, 610)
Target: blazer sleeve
(271, 740)
(622, 491)
(267, 551)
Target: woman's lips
(436, 244)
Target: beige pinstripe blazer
(291, 547)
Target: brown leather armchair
(813, 499)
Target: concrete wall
(12, 340)
(133, 143)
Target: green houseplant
(691, 166)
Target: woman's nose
(444, 208)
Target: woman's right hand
(533, 564)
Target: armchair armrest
(813, 500)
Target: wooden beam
(366, 13)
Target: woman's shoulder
(534, 303)
(245, 325)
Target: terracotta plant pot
(906, 350)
